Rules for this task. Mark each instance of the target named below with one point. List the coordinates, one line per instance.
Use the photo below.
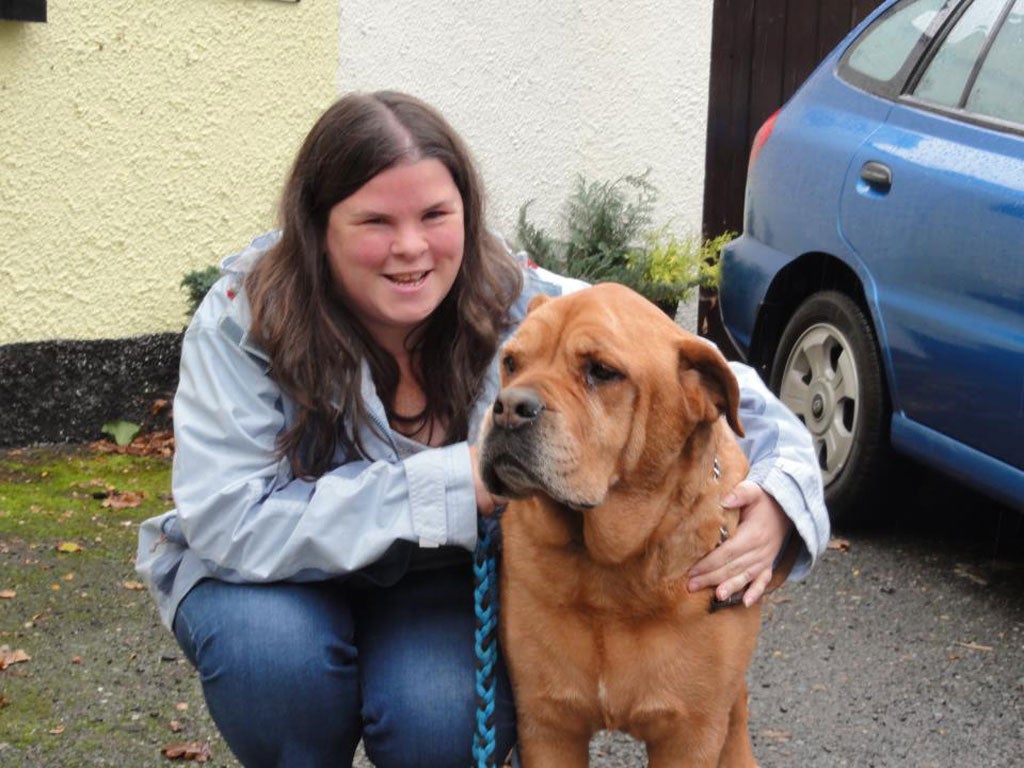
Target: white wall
(543, 91)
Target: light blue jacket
(242, 516)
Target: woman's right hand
(486, 502)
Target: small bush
(610, 237)
(197, 284)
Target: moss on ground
(67, 495)
(106, 680)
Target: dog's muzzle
(508, 454)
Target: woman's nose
(409, 240)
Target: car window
(999, 90)
(947, 74)
(880, 54)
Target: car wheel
(828, 372)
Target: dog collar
(723, 536)
(736, 599)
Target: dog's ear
(536, 301)
(718, 383)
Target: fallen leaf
(158, 405)
(123, 499)
(181, 706)
(122, 431)
(135, 586)
(199, 752)
(840, 545)
(57, 731)
(8, 657)
(175, 726)
(7, 594)
(68, 547)
(968, 572)
(976, 646)
(76, 659)
(150, 444)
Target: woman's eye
(509, 364)
(598, 373)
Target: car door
(934, 207)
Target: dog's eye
(509, 364)
(598, 373)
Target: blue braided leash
(485, 603)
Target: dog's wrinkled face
(599, 388)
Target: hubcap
(818, 406)
(820, 385)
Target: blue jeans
(295, 674)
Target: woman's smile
(408, 279)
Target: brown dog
(607, 436)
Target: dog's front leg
(544, 745)
(685, 742)
(738, 752)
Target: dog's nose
(516, 407)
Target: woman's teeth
(407, 278)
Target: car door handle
(878, 175)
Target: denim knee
(432, 725)
(278, 670)
(418, 669)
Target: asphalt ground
(904, 647)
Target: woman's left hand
(746, 558)
(486, 502)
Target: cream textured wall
(543, 90)
(140, 140)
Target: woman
(317, 567)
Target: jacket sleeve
(247, 518)
(783, 463)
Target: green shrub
(610, 237)
(197, 283)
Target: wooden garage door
(761, 51)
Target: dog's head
(600, 390)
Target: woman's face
(394, 247)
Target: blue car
(878, 284)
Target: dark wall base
(65, 391)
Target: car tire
(827, 370)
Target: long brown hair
(316, 345)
